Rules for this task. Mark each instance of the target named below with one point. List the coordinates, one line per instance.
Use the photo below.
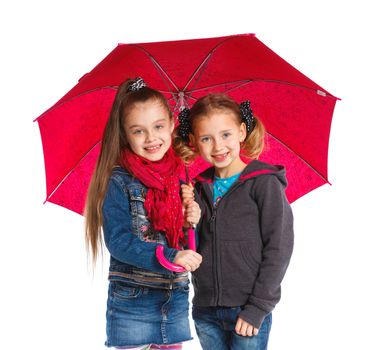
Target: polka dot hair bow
(138, 84)
(184, 128)
(247, 116)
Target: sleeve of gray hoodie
(276, 225)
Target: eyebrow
(140, 126)
(222, 131)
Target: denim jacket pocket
(140, 222)
(137, 196)
(137, 193)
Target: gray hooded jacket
(246, 241)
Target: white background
(50, 300)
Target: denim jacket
(131, 239)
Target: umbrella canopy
(296, 112)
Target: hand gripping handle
(170, 266)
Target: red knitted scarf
(162, 202)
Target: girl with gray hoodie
(246, 229)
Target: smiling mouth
(220, 157)
(153, 149)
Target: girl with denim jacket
(134, 197)
(246, 229)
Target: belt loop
(171, 281)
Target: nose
(218, 145)
(150, 137)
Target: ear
(242, 132)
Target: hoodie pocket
(249, 258)
(237, 265)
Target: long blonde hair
(251, 147)
(114, 141)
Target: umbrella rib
(159, 69)
(70, 171)
(300, 158)
(241, 84)
(155, 63)
(57, 104)
(204, 61)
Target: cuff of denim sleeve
(170, 254)
(253, 315)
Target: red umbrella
(297, 112)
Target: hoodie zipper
(215, 250)
(209, 196)
(216, 241)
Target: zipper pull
(214, 214)
(211, 221)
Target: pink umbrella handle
(170, 266)
(192, 238)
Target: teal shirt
(222, 185)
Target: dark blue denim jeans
(139, 315)
(215, 327)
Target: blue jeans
(215, 327)
(139, 315)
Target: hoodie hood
(254, 169)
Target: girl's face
(217, 138)
(148, 128)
